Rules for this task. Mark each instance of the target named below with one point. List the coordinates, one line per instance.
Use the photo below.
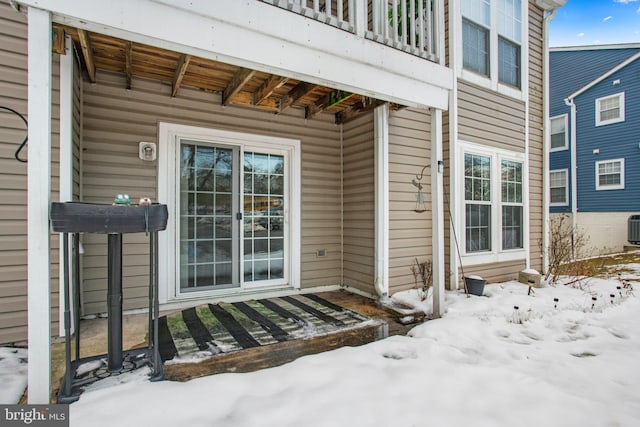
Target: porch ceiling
(237, 85)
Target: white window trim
(566, 187)
(610, 121)
(491, 82)
(497, 254)
(610, 187)
(168, 244)
(566, 133)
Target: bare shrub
(423, 277)
(569, 252)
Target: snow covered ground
(13, 374)
(570, 362)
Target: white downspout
(574, 170)
(381, 160)
(546, 141)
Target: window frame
(620, 186)
(496, 254)
(492, 81)
(566, 133)
(566, 187)
(620, 118)
(503, 203)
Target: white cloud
(624, 1)
(580, 34)
(607, 18)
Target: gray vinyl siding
(409, 231)
(116, 119)
(489, 118)
(13, 179)
(535, 135)
(358, 204)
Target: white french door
(234, 209)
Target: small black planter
(475, 285)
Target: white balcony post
(38, 196)
(360, 12)
(437, 212)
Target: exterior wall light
(147, 151)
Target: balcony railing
(407, 25)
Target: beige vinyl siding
(116, 119)
(358, 216)
(13, 179)
(489, 118)
(409, 231)
(536, 141)
(495, 272)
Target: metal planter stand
(73, 218)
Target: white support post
(437, 212)
(66, 161)
(381, 136)
(38, 196)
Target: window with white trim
(610, 174)
(487, 36)
(477, 195)
(512, 206)
(610, 109)
(559, 140)
(559, 187)
(493, 199)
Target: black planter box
(77, 217)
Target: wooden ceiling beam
(181, 69)
(239, 79)
(87, 53)
(301, 90)
(128, 54)
(360, 107)
(268, 87)
(333, 98)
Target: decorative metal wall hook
(417, 182)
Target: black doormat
(207, 330)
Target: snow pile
(13, 374)
(570, 362)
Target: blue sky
(589, 22)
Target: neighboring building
(594, 155)
(321, 110)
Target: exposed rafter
(87, 53)
(268, 87)
(240, 78)
(128, 53)
(183, 63)
(360, 107)
(331, 99)
(301, 90)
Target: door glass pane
(206, 207)
(264, 206)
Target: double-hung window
(559, 133)
(494, 209)
(559, 187)
(610, 174)
(512, 207)
(610, 109)
(492, 40)
(477, 195)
